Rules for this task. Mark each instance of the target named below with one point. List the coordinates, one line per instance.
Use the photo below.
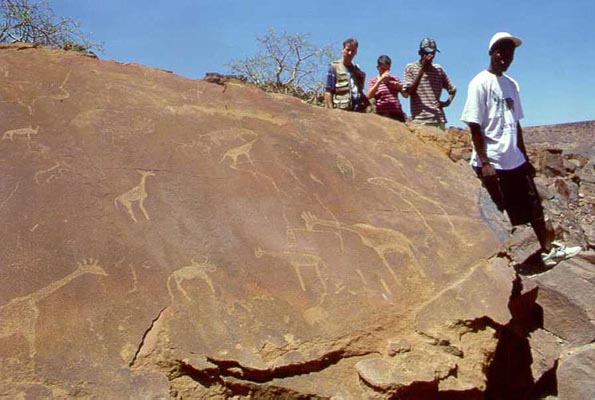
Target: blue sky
(554, 66)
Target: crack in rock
(237, 370)
(145, 336)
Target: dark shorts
(515, 192)
(397, 116)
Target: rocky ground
(547, 350)
(564, 158)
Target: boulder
(575, 375)
(545, 352)
(565, 294)
(164, 236)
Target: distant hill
(573, 136)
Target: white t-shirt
(493, 102)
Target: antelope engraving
(28, 131)
(381, 240)
(194, 270)
(137, 193)
(57, 170)
(19, 316)
(297, 262)
(235, 152)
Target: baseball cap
(504, 35)
(428, 45)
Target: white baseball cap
(504, 35)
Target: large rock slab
(162, 235)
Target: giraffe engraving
(297, 262)
(27, 131)
(382, 240)
(137, 193)
(19, 316)
(193, 271)
(235, 152)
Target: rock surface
(164, 237)
(576, 373)
(157, 225)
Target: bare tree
(286, 63)
(33, 21)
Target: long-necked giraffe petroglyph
(381, 240)
(399, 188)
(19, 316)
(137, 193)
(192, 271)
(27, 131)
(297, 262)
(235, 152)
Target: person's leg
(545, 234)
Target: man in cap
(424, 81)
(492, 111)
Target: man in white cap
(424, 81)
(492, 111)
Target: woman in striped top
(385, 88)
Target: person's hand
(395, 84)
(488, 172)
(385, 77)
(444, 103)
(492, 185)
(426, 60)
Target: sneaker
(558, 253)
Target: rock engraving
(381, 240)
(19, 316)
(297, 262)
(137, 193)
(27, 131)
(195, 270)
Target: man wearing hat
(423, 81)
(492, 111)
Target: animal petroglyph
(19, 316)
(316, 316)
(345, 166)
(63, 92)
(63, 95)
(297, 262)
(28, 131)
(137, 193)
(398, 189)
(235, 152)
(57, 170)
(195, 270)
(382, 240)
(206, 142)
